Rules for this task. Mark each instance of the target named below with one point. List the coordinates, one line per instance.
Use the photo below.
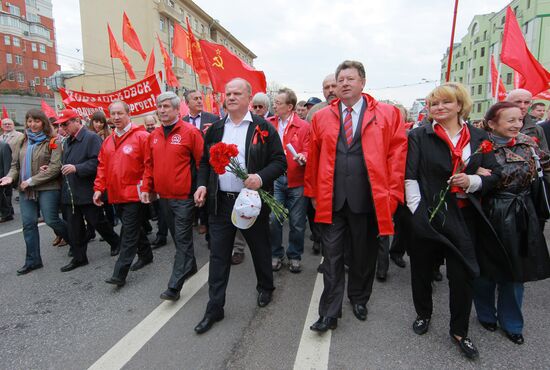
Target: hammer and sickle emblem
(218, 61)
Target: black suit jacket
(267, 159)
(81, 151)
(5, 158)
(205, 118)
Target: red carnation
(53, 144)
(486, 147)
(220, 156)
(536, 139)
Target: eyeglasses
(257, 106)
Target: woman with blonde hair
(38, 189)
(446, 155)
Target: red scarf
(456, 151)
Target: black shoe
(158, 242)
(206, 323)
(399, 261)
(437, 276)
(420, 325)
(170, 294)
(6, 219)
(381, 277)
(264, 298)
(70, 253)
(360, 311)
(26, 269)
(116, 281)
(466, 346)
(237, 258)
(73, 265)
(140, 264)
(324, 323)
(316, 247)
(516, 338)
(490, 326)
(115, 251)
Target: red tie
(348, 125)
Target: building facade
(471, 56)
(149, 18)
(27, 54)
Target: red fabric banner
(116, 52)
(49, 111)
(545, 95)
(181, 45)
(517, 56)
(223, 66)
(5, 112)
(141, 97)
(171, 78)
(150, 70)
(494, 78)
(198, 65)
(130, 37)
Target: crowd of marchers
(468, 196)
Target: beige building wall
(149, 18)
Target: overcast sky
(400, 42)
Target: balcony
(168, 11)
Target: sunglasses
(257, 106)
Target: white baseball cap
(246, 209)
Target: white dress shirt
(235, 133)
(124, 130)
(196, 120)
(355, 113)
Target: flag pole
(113, 68)
(125, 73)
(449, 62)
(497, 88)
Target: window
(35, 63)
(460, 79)
(45, 81)
(481, 70)
(479, 89)
(19, 60)
(31, 2)
(472, 90)
(42, 48)
(482, 52)
(11, 76)
(37, 81)
(33, 46)
(478, 107)
(484, 35)
(44, 65)
(162, 23)
(8, 58)
(456, 65)
(16, 41)
(475, 54)
(474, 73)
(20, 77)
(32, 17)
(7, 40)
(461, 65)
(503, 20)
(508, 78)
(12, 9)
(528, 4)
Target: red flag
(116, 52)
(171, 78)
(516, 55)
(130, 36)
(181, 46)
(151, 65)
(49, 111)
(198, 65)
(494, 78)
(184, 109)
(5, 112)
(223, 66)
(545, 95)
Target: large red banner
(141, 97)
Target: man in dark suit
(261, 153)
(79, 160)
(6, 210)
(354, 176)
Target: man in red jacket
(355, 176)
(120, 171)
(289, 188)
(175, 151)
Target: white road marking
(122, 352)
(18, 231)
(313, 351)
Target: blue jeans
(508, 308)
(293, 199)
(48, 201)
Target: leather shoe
(115, 251)
(466, 346)
(140, 264)
(490, 326)
(6, 219)
(26, 269)
(56, 241)
(360, 311)
(264, 298)
(237, 258)
(399, 261)
(116, 281)
(170, 294)
(206, 323)
(324, 323)
(316, 248)
(73, 265)
(421, 325)
(158, 242)
(381, 277)
(516, 338)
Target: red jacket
(121, 165)
(297, 134)
(168, 170)
(384, 145)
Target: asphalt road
(54, 320)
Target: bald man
(329, 91)
(10, 135)
(523, 98)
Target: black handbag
(539, 191)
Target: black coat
(5, 158)
(81, 151)
(429, 162)
(267, 159)
(205, 118)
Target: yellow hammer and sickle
(218, 62)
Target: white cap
(246, 209)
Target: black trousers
(162, 226)
(361, 232)
(178, 214)
(76, 226)
(222, 236)
(313, 226)
(132, 237)
(383, 263)
(398, 244)
(6, 208)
